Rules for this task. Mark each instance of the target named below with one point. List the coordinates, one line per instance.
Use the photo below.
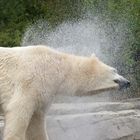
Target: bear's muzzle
(122, 82)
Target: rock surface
(94, 121)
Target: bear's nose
(123, 83)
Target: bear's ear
(93, 55)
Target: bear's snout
(123, 83)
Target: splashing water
(83, 37)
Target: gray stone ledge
(93, 121)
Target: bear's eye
(114, 70)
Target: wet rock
(94, 121)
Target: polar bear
(30, 77)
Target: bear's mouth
(100, 90)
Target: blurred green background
(17, 15)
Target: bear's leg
(17, 117)
(36, 129)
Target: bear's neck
(72, 81)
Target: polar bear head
(100, 77)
